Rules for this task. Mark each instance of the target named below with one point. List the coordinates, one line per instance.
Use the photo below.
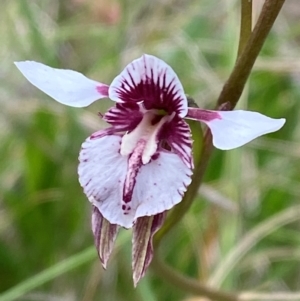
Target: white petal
(152, 81)
(236, 128)
(65, 86)
(102, 171)
(161, 184)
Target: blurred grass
(44, 216)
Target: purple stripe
(134, 165)
(103, 90)
(202, 115)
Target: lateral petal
(232, 129)
(65, 86)
(124, 116)
(151, 81)
(177, 133)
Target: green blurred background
(242, 233)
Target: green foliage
(44, 215)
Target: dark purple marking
(102, 133)
(124, 116)
(125, 207)
(134, 165)
(176, 134)
(103, 90)
(202, 115)
(155, 156)
(156, 119)
(155, 92)
(127, 196)
(88, 182)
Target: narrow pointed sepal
(105, 235)
(142, 246)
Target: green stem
(234, 86)
(190, 285)
(246, 24)
(195, 287)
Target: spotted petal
(159, 185)
(102, 171)
(152, 81)
(65, 86)
(231, 129)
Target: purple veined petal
(102, 171)
(124, 116)
(142, 247)
(105, 235)
(103, 133)
(65, 86)
(152, 81)
(231, 129)
(160, 184)
(157, 186)
(177, 133)
(107, 179)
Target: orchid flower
(141, 165)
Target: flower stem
(246, 24)
(189, 284)
(234, 86)
(195, 287)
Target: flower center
(147, 130)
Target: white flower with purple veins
(140, 166)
